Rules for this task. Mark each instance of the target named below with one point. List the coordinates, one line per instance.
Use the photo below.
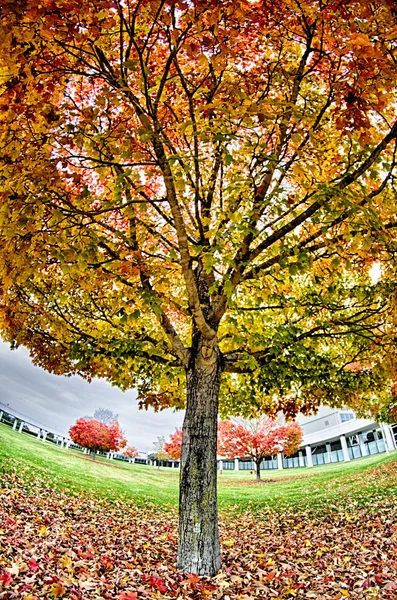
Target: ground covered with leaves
(73, 545)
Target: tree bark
(258, 469)
(198, 549)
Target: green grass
(328, 486)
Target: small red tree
(291, 438)
(174, 446)
(130, 452)
(257, 439)
(96, 436)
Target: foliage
(384, 406)
(130, 452)
(257, 439)
(174, 447)
(152, 150)
(97, 436)
(291, 438)
(381, 405)
(231, 436)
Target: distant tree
(97, 436)
(131, 453)
(282, 438)
(159, 453)
(174, 446)
(104, 415)
(291, 438)
(257, 439)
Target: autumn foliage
(174, 447)
(97, 436)
(257, 439)
(278, 173)
(130, 452)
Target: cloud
(57, 401)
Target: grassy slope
(359, 481)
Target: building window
(346, 417)
(326, 423)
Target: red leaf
(156, 582)
(34, 565)
(5, 578)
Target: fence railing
(6, 409)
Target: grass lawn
(357, 481)
(78, 529)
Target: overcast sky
(57, 402)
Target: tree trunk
(198, 549)
(258, 469)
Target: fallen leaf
(57, 590)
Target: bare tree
(159, 453)
(103, 415)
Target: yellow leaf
(299, 172)
(42, 530)
(66, 562)
(57, 590)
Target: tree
(279, 438)
(97, 436)
(174, 447)
(131, 453)
(159, 453)
(257, 438)
(104, 415)
(291, 437)
(192, 196)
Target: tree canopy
(97, 436)
(142, 142)
(174, 446)
(130, 452)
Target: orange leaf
(57, 590)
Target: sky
(58, 401)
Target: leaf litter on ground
(73, 545)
